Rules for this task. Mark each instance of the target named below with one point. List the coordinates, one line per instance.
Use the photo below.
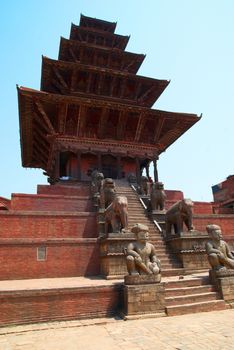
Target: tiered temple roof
(91, 100)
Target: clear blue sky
(190, 42)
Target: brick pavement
(203, 331)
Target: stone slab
(144, 299)
(142, 279)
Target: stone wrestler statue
(219, 254)
(140, 255)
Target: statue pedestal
(224, 281)
(190, 249)
(113, 259)
(144, 297)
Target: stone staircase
(170, 266)
(192, 295)
(184, 294)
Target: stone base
(113, 259)
(190, 249)
(224, 281)
(142, 279)
(144, 299)
(142, 316)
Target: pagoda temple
(94, 112)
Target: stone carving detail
(157, 196)
(144, 185)
(180, 213)
(96, 184)
(219, 255)
(108, 192)
(116, 215)
(141, 257)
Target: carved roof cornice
(79, 66)
(65, 77)
(97, 24)
(98, 38)
(72, 50)
(45, 117)
(111, 147)
(45, 96)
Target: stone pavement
(201, 331)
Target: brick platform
(29, 301)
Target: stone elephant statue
(178, 214)
(108, 192)
(157, 196)
(116, 215)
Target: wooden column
(99, 156)
(147, 169)
(155, 169)
(57, 165)
(138, 171)
(119, 172)
(78, 165)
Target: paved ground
(202, 331)
(73, 282)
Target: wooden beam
(158, 127)
(140, 125)
(81, 53)
(147, 93)
(72, 54)
(95, 56)
(113, 85)
(138, 90)
(130, 65)
(81, 119)
(121, 125)
(43, 136)
(58, 86)
(38, 120)
(109, 59)
(40, 137)
(123, 86)
(90, 79)
(100, 82)
(44, 116)
(73, 79)
(62, 114)
(39, 153)
(60, 77)
(102, 122)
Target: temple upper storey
(94, 111)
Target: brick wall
(46, 224)
(203, 208)
(59, 304)
(18, 259)
(174, 196)
(51, 202)
(226, 222)
(82, 189)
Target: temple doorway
(68, 165)
(109, 166)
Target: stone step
(198, 281)
(211, 305)
(172, 272)
(167, 266)
(172, 292)
(166, 259)
(191, 298)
